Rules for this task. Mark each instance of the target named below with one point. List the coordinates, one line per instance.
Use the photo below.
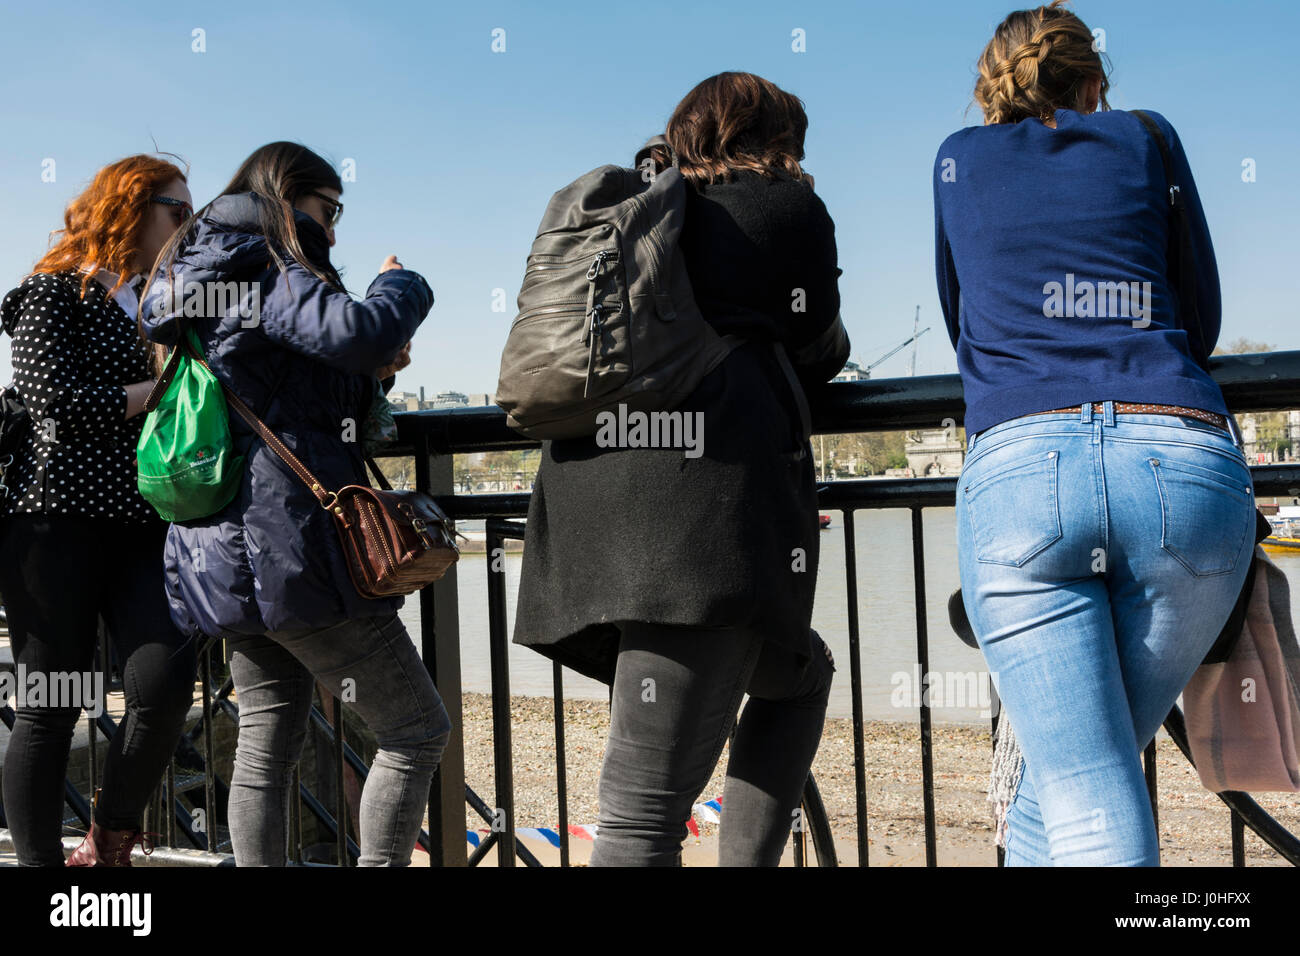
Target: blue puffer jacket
(271, 559)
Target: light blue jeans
(1100, 557)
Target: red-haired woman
(77, 541)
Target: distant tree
(871, 452)
(400, 472)
(1243, 346)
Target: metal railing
(1251, 383)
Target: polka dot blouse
(72, 358)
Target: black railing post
(209, 760)
(503, 814)
(1238, 839)
(995, 704)
(295, 816)
(340, 783)
(1149, 768)
(855, 685)
(923, 657)
(440, 649)
(171, 802)
(561, 768)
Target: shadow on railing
(1251, 383)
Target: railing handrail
(1257, 382)
(1254, 382)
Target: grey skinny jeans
(390, 690)
(675, 696)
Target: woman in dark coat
(267, 572)
(685, 582)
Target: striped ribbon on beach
(709, 812)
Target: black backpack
(606, 314)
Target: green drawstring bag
(185, 464)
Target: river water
(886, 614)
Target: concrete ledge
(161, 856)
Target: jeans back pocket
(1203, 515)
(1013, 511)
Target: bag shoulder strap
(325, 497)
(379, 475)
(164, 382)
(800, 398)
(1166, 157)
(1181, 258)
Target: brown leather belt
(1132, 408)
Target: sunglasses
(336, 207)
(181, 209)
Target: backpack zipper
(592, 334)
(570, 307)
(561, 263)
(595, 315)
(596, 263)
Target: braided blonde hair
(1038, 62)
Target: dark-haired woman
(1104, 511)
(267, 573)
(686, 582)
(77, 542)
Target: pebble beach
(1194, 824)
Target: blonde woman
(1104, 511)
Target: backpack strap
(662, 142)
(165, 378)
(800, 399)
(1182, 256)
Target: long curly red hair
(101, 227)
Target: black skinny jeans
(58, 575)
(674, 701)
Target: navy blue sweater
(1051, 257)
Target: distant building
(934, 452)
(1267, 446)
(416, 401)
(449, 400)
(852, 372)
(406, 401)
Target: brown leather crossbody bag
(394, 542)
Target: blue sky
(457, 149)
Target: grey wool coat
(726, 535)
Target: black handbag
(15, 426)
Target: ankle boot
(103, 847)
